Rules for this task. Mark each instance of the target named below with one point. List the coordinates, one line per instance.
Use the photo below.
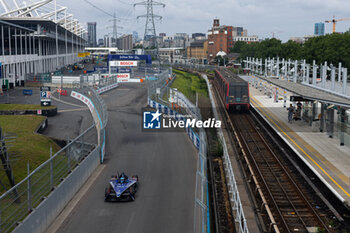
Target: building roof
(221, 53)
(170, 49)
(15, 25)
(310, 93)
(198, 43)
(233, 55)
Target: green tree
(291, 50)
(139, 46)
(238, 47)
(221, 61)
(333, 48)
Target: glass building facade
(319, 29)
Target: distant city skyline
(289, 17)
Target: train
(233, 90)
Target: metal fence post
(345, 77)
(68, 157)
(82, 144)
(339, 72)
(51, 168)
(308, 74)
(314, 73)
(324, 75)
(29, 191)
(333, 77)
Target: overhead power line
(130, 4)
(105, 12)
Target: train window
(244, 91)
(239, 91)
(235, 91)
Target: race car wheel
(136, 177)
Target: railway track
(292, 211)
(286, 199)
(282, 204)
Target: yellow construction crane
(334, 21)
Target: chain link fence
(23, 198)
(38, 78)
(91, 92)
(96, 81)
(20, 200)
(98, 108)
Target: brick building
(219, 39)
(198, 50)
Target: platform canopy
(310, 93)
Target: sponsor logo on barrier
(123, 63)
(126, 75)
(83, 99)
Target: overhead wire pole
(115, 29)
(115, 35)
(115, 19)
(150, 29)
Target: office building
(319, 29)
(125, 42)
(135, 36)
(198, 50)
(196, 35)
(238, 31)
(92, 38)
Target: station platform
(322, 154)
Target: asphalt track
(165, 163)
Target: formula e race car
(121, 188)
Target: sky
(289, 18)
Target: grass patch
(189, 84)
(27, 147)
(22, 107)
(236, 71)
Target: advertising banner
(123, 76)
(84, 54)
(123, 63)
(130, 57)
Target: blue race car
(121, 188)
